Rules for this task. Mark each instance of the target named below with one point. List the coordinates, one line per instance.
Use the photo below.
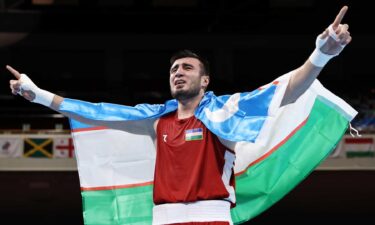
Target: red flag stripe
(88, 129)
(102, 188)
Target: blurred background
(118, 51)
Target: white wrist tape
(318, 58)
(41, 96)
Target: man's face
(186, 80)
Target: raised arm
(328, 44)
(25, 87)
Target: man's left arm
(328, 44)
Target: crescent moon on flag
(227, 111)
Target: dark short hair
(205, 66)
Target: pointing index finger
(14, 72)
(339, 17)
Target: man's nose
(178, 74)
(180, 71)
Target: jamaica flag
(38, 147)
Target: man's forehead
(188, 60)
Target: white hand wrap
(318, 58)
(41, 96)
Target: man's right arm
(144, 127)
(27, 89)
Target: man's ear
(206, 81)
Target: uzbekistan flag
(276, 148)
(194, 134)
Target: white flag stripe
(194, 134)
(360, 147)
(103, 164)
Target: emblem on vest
(194, 134)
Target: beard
(181, 94)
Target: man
(194, 178)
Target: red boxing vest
(191, 163)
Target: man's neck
(186, 108)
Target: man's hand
(332, 41)
(24, 86)
(15, 85)
(337, 34)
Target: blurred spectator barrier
(55, 152)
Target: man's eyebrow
(175, 66)
(183, 65)
(187, 64)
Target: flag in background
(38, 147)
(11, 147)
(359, 147)
(277, 147)
(63, 147)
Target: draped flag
(276, 148)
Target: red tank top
(191, 163)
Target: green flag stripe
(194, 138)
(266, 182)
(118, 206)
